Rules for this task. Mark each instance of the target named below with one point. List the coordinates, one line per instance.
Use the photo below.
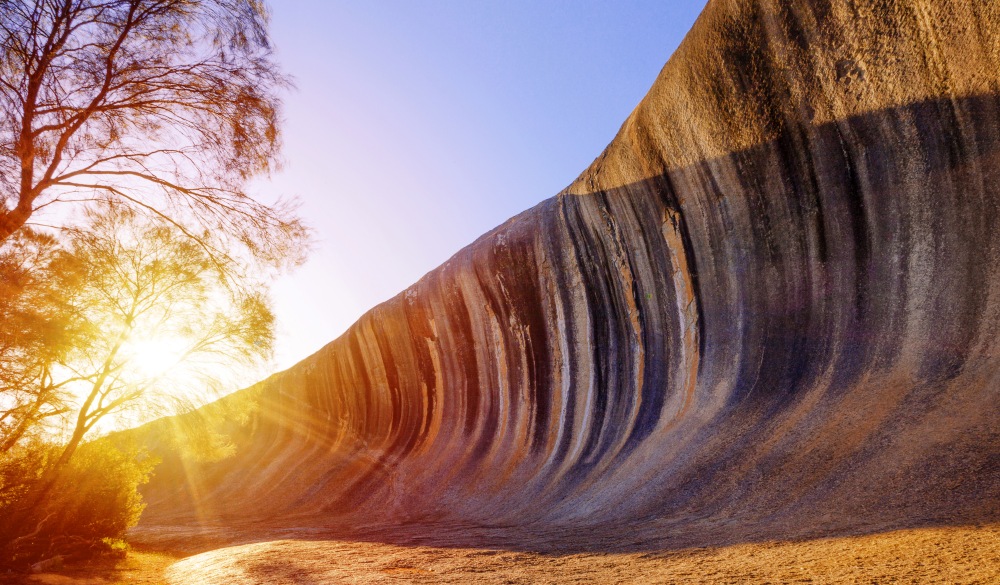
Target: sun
(155, 356)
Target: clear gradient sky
(417, 126)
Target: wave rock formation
(774, 300)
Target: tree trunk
(13, 220)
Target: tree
(169, 106)
(159, 320)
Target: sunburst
(155, 357)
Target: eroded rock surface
(769, 308)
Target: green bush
(79, 511)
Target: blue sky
(416, 126)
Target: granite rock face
(774, 299)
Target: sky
(417, 126)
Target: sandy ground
(931, 555)
(924, 555)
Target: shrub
(79, 511)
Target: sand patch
(938, 555)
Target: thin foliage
(36, 335)
(128, 282)
(168, 106)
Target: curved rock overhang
(773, 299)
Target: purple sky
(417, 126)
